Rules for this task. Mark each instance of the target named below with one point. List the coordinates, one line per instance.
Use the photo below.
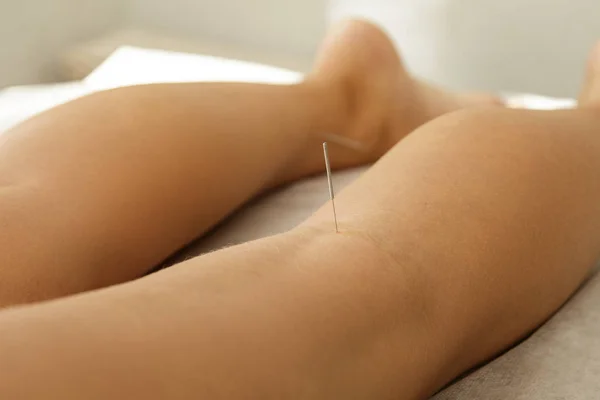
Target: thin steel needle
(331, 194)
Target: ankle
(328, 114)
(331, 105)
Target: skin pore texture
(464, 237)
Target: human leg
(462, 239)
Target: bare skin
(101, 190)
(465, 236)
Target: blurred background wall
(537, 46)
(288, 26)
(34, 32)
(511, 45)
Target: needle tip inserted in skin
(331, 194)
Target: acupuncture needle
(329, 180)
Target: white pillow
(132, 65)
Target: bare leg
(100, 190)
(466, 236)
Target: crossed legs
(452, 247)
(467, 235)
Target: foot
(590, 94)
(383, 103)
